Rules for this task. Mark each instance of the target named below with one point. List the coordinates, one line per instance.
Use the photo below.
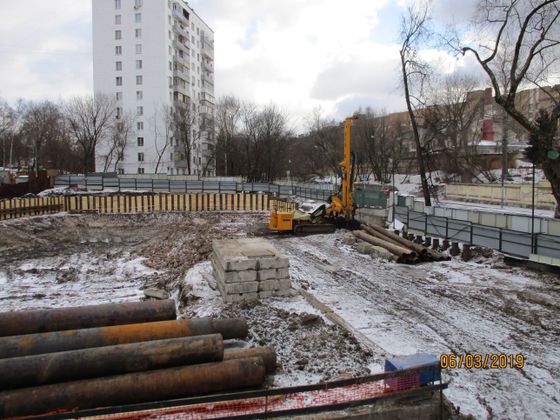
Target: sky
(299, 54)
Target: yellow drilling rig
(339, 210)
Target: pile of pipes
(117, 354)
(402, 250)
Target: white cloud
(299, 54)
(45, 49)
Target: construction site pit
(480, 306)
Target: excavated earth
(71, 260)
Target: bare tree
(414, 75)
(451, 125)
(118, 139)
(520, 45)
(42, 125)
(163, 124)
(184, 133)
(90, 120)
(7, 126)
(327, 138)
(228, 113)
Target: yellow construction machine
(338, 212)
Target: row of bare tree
(63, 135)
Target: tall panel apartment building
(155, 58)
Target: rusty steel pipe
(33, 322)
(19, 372)
(155, 385)
(266, 353)
(27, 345)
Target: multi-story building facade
(155, 60)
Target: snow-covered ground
(482, 306)
(446, 307)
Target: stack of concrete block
(249, 269)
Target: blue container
(416, 360)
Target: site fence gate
(519, 244)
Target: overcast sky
(299, 54)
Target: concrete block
(245, 297)
(269, 285)
(233, 276)
(248, 254)
(284, 284)
(282, 293)
(273, 273)
(237, 288)
(266, 294)
(279, 261)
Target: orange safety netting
(277, 403)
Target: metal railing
(519, 244)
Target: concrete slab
(233, 276)
(272, 273)
(248, 254)
(237, 288)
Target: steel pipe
(266, 353)
(27, 345)
(155, 385)
(46, 320)
(19, 372)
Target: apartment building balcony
(181, 46)
(206, 66)
(208, 80)
(180, 29)
(207, 110)
(182, 88)
(208, 49)
(179, 16)
(207, 99)
(183, 60)
(181, 72)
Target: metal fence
(363, 196)
(508, 241)
(368, 197)
(99, 183)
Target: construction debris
(249, 269)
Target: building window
(170, 65)
(119, 81)
(119, 112)
(118, 35)
(140, 171)
(139, 95)
(117, 19)
(140, 157)
(138, 17)
(137, 3)
(118, 50)
(138, 33)
(118, 65)
(139, 80)
(121, 171)
(138, 64)
(139, 110)
(119, 96)
(140, 125)
(117, 4)
(138, 48)
(140, 142)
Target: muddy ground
(483, 306)
(71, 260)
